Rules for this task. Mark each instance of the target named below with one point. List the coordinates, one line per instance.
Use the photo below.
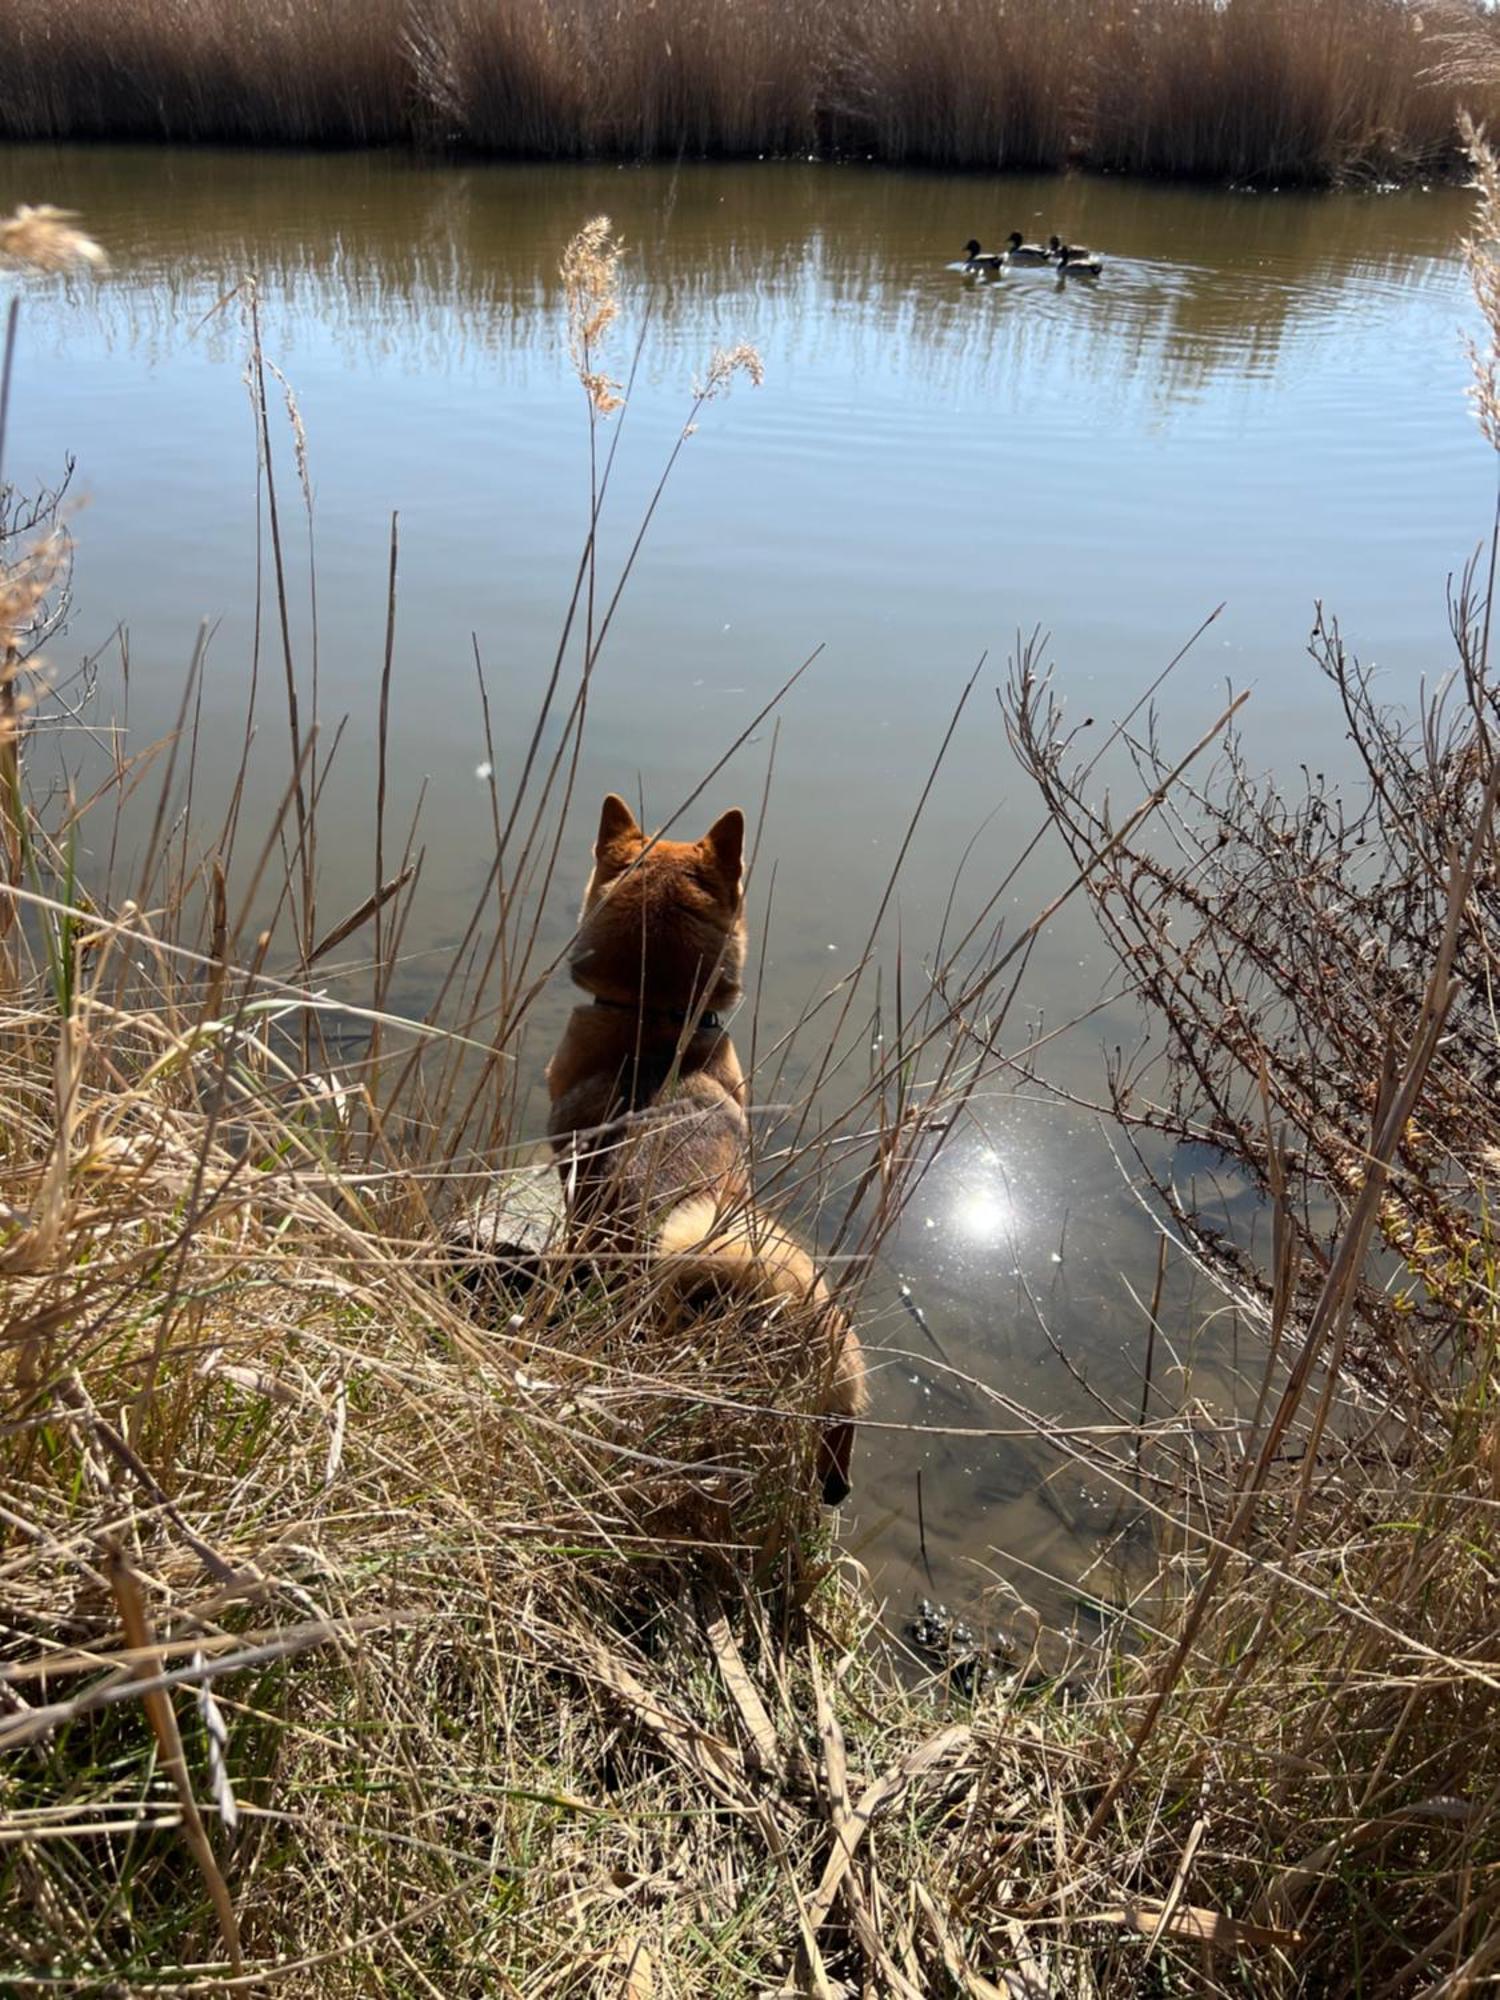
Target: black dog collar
(676, 1017)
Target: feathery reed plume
(724, 364)
(1482, 256)
(1465, 43)
(44, 239)
(590, 272)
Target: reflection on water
(1210, 305)
(981, 1207)
(395, 257)
(1259, 404)
(1012, 1294)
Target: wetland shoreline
(355, 1640)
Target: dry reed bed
(510, 1659)
(476, 1678)
(354, 1641)
(1277, 90)
(1322, 967)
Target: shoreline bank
(1318, 93)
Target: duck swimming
(1073, 257)
(976, 259)
(1018, 252)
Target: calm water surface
(1261, 405)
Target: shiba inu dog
(648, 1108)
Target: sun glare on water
(984, 1214)
(982, 1208)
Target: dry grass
(1276, 90)
(1265, 88)
(1317, 1724)
(296, 72)
(1323, 967)
(563, 78)
(353, 1636)
(355, 1639)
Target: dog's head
(663, 923)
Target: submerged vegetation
(1311, 91)
(361, 1638)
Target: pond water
(1259, 405)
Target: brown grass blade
(32, 1724)
(163, 1719)
(1179, 1878)
(639, 1980)
(835, 1761)
(708, 1756)
(957, 1967)
(347, 926)
(1193, 1925)
(911, 1769)
(743, 1692)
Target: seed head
(590, 275)
(43, 239)
(724, 364)
(1482, 255)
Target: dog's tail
(709, 1260)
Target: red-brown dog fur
(648, 1099)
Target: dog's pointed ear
(723, 851)
(724, 846)
(619, 842)
(616, 824)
